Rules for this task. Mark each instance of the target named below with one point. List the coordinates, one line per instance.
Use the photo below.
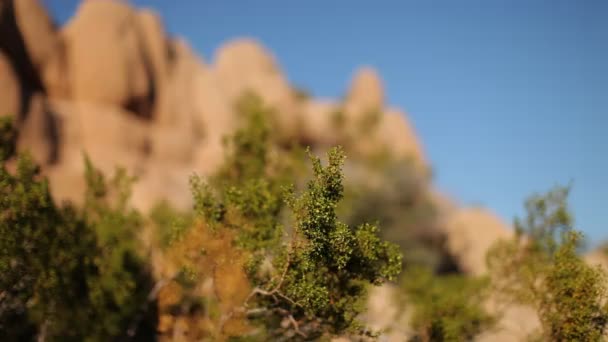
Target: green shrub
(446, 308)
(322, 275)
(540, 267)
(321, 267)
(396, 196)
(8, 135)
(66, 273)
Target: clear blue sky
(508, 97)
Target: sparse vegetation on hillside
(540, 267)
(447, 307)
(65, 272)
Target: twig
(296, 326)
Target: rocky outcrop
(598, 257)
(107, 57)
(242, 66)
(112, 84)
(366, 93)
(43, 44)
(38, 134)
(470, 233)
(176, 128)
(396, 134)
(10, 91)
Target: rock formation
(113, 85)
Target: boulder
(470, 232)
(244, 65)
(37, 30)
(397, 135)
(319, 124)
(38, 132)
(155, 45)
(10, 91)
(110, 136)
(386, 315)
(158, 183)
(515, 322)
(217, 121)
(598, 257)
(177, 125)
(107, 60)
(365, 95)
(12, 45)
(43, 45)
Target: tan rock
(106, 57)
(598, 257)
(43, 45)
(10, 92)
(366, 94)
(38, 132)
(159, 183)
(319, 125)
(242, 66)
(37, 29)
(470, 233)
(384, 314)
(155, 46)
(177, 127)
(397, 134)
(515, 323)
(110, 136)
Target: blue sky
(508, 97)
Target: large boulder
(37, 30)
(177, 126)
(158, 183)
(598, 257)
(515, 322)
(397, 135)
(319, 123)
(110, 136)
(365, 95)
(38, 133)
(156, 47)
(244, 65)
(43, 45)
(107, 59)
(470, 232)
(107, 135)
(10, 91)
(217, 119)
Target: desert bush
(306, 275)
(540, 267)
(446, 307)
(396, 196)
(68, 273)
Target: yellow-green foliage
(446, 307)
(540, 267)
(204, 255)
